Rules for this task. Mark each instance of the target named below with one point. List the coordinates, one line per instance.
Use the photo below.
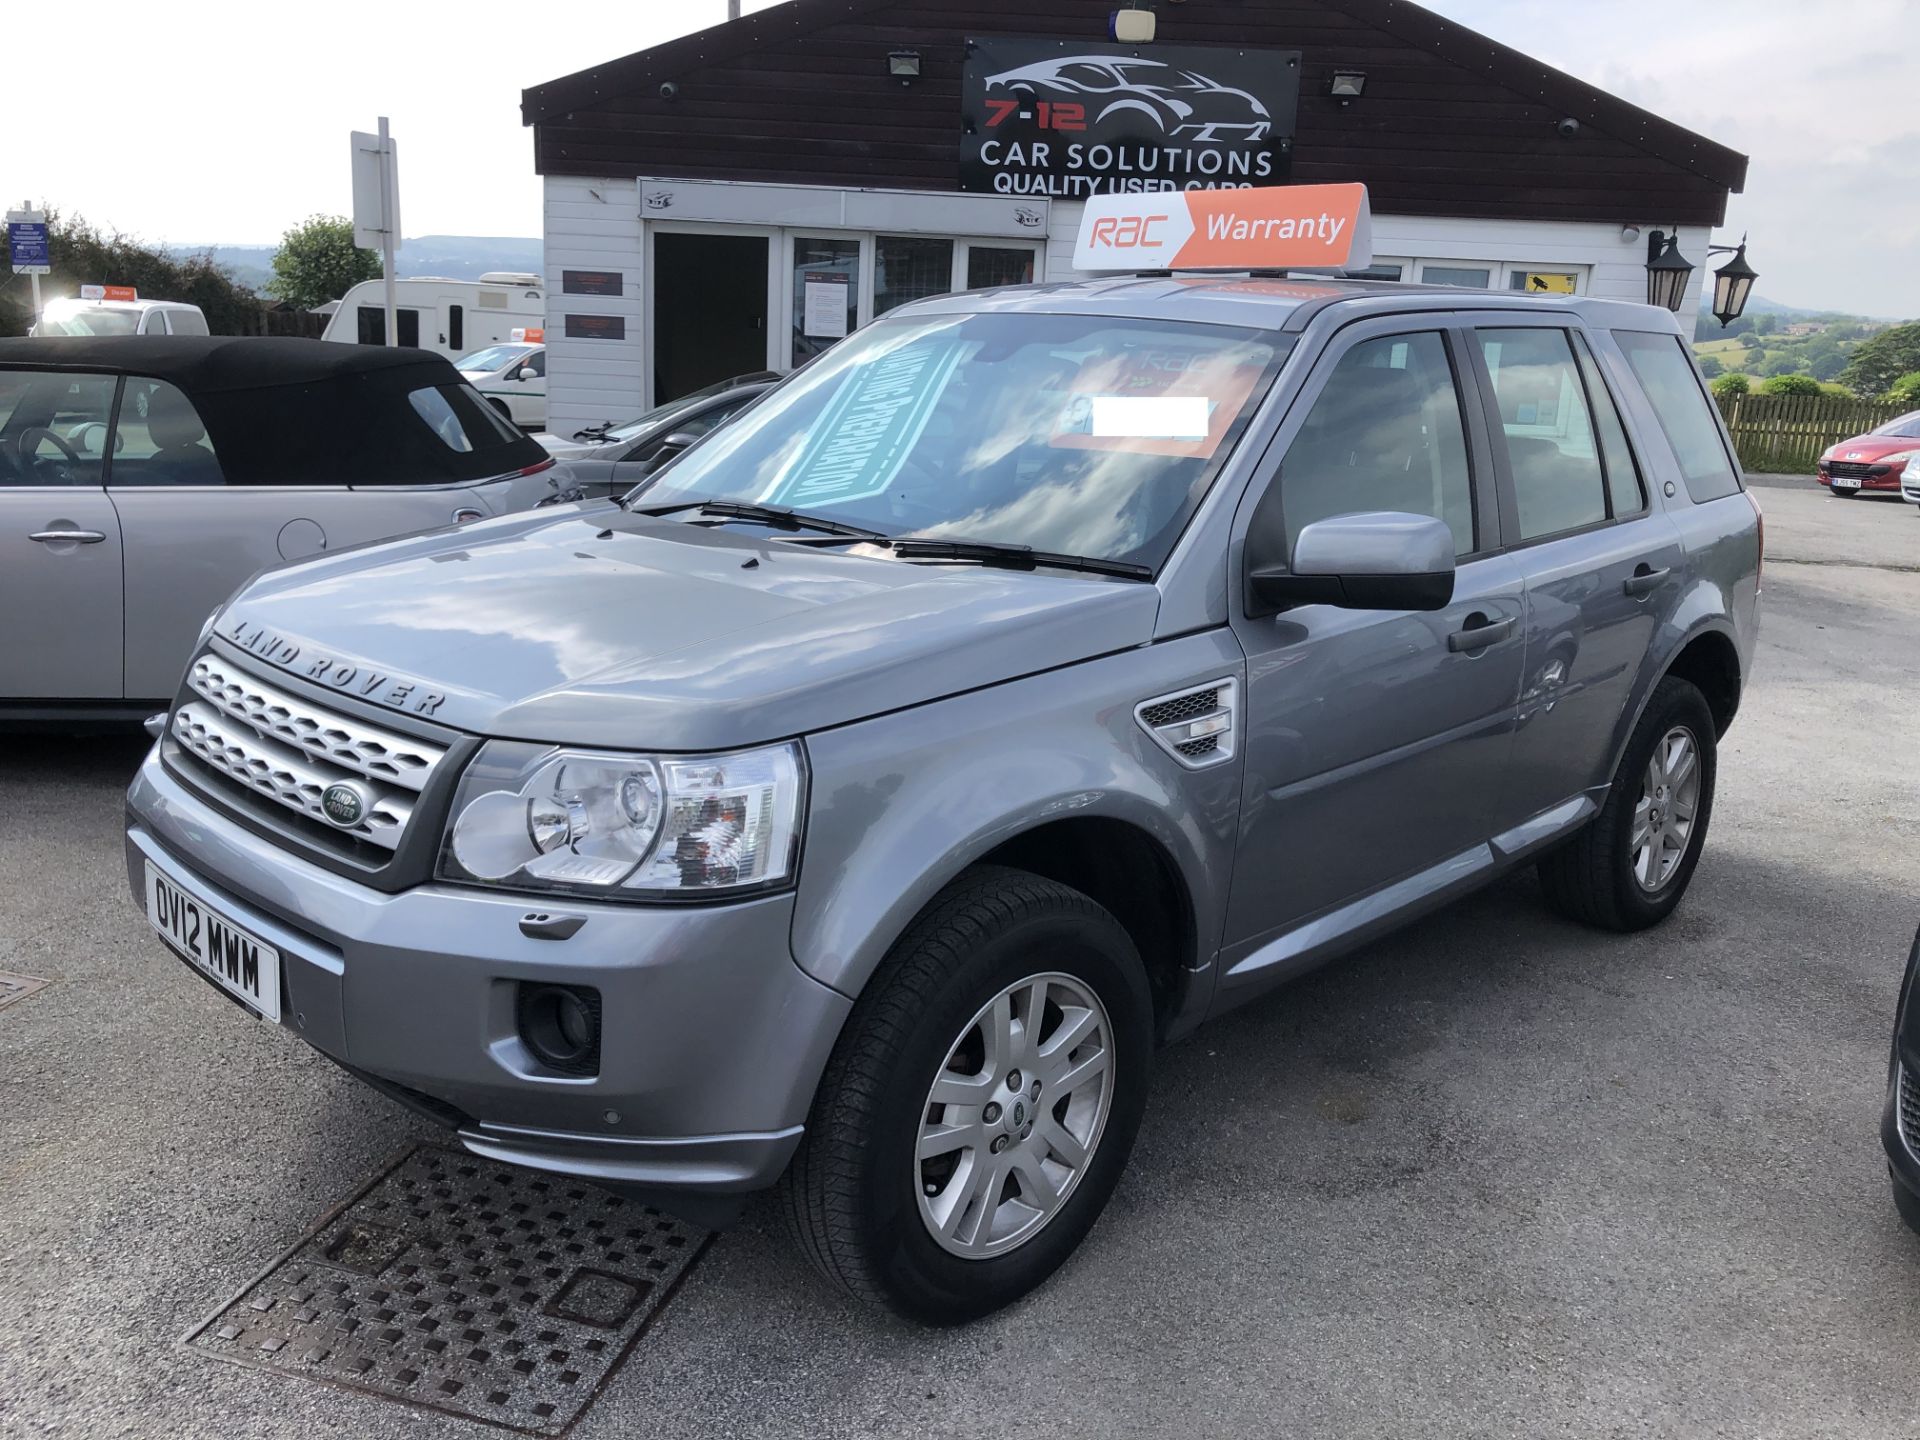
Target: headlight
(531, 817)
(1899, 457)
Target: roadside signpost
(376, 207)
(28, 247)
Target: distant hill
(457, 257)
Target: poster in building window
(1072, 119)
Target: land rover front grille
(1909, 1109)
(292, 751)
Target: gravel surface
(1495, 1176)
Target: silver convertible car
(143, 479)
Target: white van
(452, 317)
(122, 314)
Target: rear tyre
(980, 1105)
(1630, 866)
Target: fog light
(560, 1024)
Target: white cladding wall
(595, 225)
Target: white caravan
(452, 317)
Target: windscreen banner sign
(1071, 119)
(1278, 227)
(873, 423)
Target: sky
(209, 129)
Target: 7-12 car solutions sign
(1068, 119)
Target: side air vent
(1194, 726)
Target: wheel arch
(1708, 657)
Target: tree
(1827, 367)
(1878, 362)
(1711, 367)
(1777, 365)
(1733, 383)
(317, 262)
(85, 255)
(1906, 389)
(1790, 385)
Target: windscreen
(1901, 425)
(1078, 435)
(494, 357)
(90, 321)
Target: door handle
(1644, 580)
(77, 537)
(1479, 632)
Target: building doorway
(709, 310)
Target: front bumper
(713, 1039)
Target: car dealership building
(739, 199)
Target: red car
(1872, 461)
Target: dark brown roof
(1447, 110)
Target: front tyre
(1629, 867)
(980, 1106)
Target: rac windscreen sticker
(870, 428)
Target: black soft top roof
(199, 364)
(302, 412)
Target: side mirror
(1374, 560)
(527, 372)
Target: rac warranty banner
(1282, 227)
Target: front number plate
(238, 961)
(1846, 482)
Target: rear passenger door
(1602, 565)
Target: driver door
(60, 570)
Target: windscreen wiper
(595, 432)
(1006, 556)
(778, 516)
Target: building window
(1543, 282)
(989, 267)
(826, 294)
(1474, 277)
(909, 268)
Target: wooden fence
(1788, 432)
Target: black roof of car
(201, 363)
(306, 412)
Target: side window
(53, 427)
(154, 323)
(373, 325)
(1626, 495)
(1384, 434)
(161, 439)
(1666, 373)
(1557, 478)
(463, 421)
(187, 322)
(537, 362)
(456, 328)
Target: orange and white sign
(1279, 227)
(532, 335)
(108, 292)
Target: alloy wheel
(1014, 1115)
(1663, 816)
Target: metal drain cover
(490, 1292)
(18, 987)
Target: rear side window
(1558, 481)
(161, 439)
(1673, 389)
(53, 427)
(463, 421)
(1625, 493)
(187, 322)
(155, 323)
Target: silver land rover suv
(855, 807)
